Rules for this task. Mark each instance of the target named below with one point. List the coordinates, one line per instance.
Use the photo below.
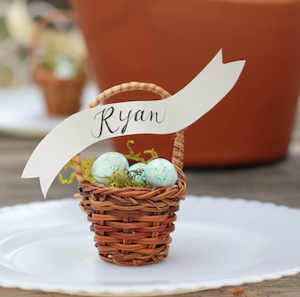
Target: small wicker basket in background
(132, 225)
(62, 96)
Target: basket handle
(178, 146)
(45, 20)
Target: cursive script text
(114, 121)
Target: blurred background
(56, 55)
(16, 22)
(13, 64)
(43, 71)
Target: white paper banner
(165, 116)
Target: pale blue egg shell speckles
(161, 172)
(137, 170)
(107, 164)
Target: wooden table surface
(277, 182)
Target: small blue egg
(105, 165)
(137, 170)
(161, 172)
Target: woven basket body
(62, 96)
(132, 225)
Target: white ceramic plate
(217, 242)
(22, 111)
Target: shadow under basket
(132, 226)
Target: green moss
(136, 157)
(123, 179)
(49, 62)
(71, 177)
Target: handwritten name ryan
(114, 121)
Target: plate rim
(188, 287)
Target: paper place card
(166, 116)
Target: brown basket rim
(41, 75)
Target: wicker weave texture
(62, 96)
(132, 226)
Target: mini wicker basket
(132, 225)
(62, 96)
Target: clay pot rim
(261, 2)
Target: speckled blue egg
(137, 170)
(161, 172)
(107, 164)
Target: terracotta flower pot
(168, 42)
